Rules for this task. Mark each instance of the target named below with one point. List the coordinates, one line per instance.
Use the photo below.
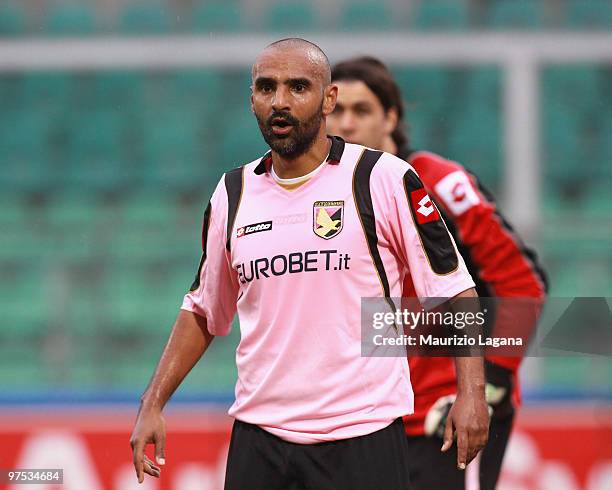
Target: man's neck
(389, 145)
(304, 164)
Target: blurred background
(117, 118)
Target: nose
(347, 123)
(280, 102)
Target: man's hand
(469, 420)
(150, 428)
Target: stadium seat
(365, 16)
(12, 19)
(424, 87)
(475, 141)
(562, 149)
(77, 224)
(50, 92)
(585, 14)
(442, 15)
(516, 14)
(21, 241)
(70, 19)
(199, 89)
(25, 303)
(116, 89)
(11, 89)
(145, 18)
(141, 299)
(290, 17)
(485, 85)
(23, 139)
(148, 208)
(148, 231)
(217, 17)
(178, 150)
(242, 141)
(96, 154)
(576, 85)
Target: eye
(299, 87)
(266, 88)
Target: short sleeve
(424, 243)
(214, 291)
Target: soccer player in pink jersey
(369, 111)
(293, 241)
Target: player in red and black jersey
(370, 112)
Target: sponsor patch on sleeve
(424, 209)
(456, 192)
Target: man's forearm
(188, 341)
(470, 370)
(470, 375)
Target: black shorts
(258, 460)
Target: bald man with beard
(292, 242)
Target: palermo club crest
(327, 218)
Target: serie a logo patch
(327, 218)
(254, 228)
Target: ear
(390, 121)
(252, 103)
(330, 96)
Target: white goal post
(519, 54)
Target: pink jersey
(295, 265)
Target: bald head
(301, 51)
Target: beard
(298, 141)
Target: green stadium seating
(217, 17)
(146, 18)
(563, 153)
(77, 223)
(25, 302)
(516, 14)
(11, 88)
(242, 141)
(20, 243)
(475, 141)
(425, 87)
(12, 19)
(149, 231)
(365, 16)
(142, 299)
(290, 17)
(117, 89)
(198, 86)
(96, 157)
(577, 85)
(70, 19)
(442, 15)
(179, 150)
(587, 14)
(23, 136)
(148, 208)
(420, 127)
(13, 210)
(46, 92)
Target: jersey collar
(335, 155)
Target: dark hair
(375, 74)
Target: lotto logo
(424, 208)
(254, 228)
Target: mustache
(283, 115)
